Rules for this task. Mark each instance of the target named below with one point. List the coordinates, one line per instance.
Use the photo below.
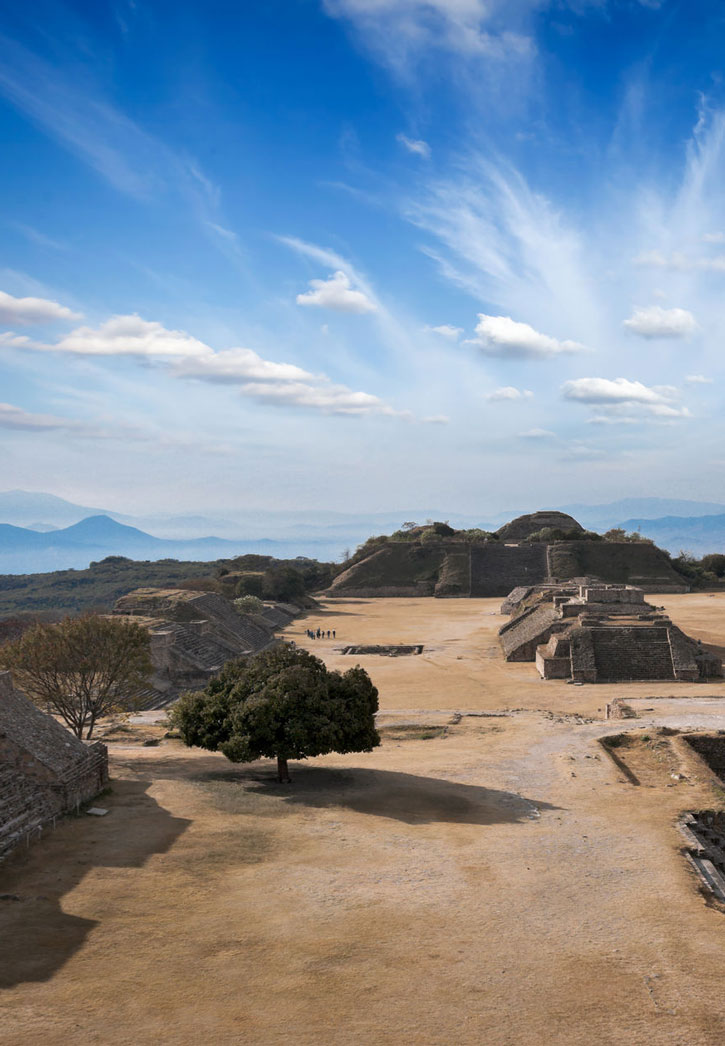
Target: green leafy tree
(81, 668)
(250, 585)
(281, 704)
(714, 563)
(284, 584)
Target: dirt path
(485, 880)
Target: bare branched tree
(81, 668)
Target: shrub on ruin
(248, 605)
(281, 704)
(475, 534)
(81, 668)
(429, 537)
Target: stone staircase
(202, 651)
(624, 653)
(231, 625)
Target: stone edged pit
(399, 650)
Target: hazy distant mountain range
(26, 551)
(41, 532)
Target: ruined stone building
(596, 633)
(493, 567)
(44, 770)
(193, 634)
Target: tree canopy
(81, 668)
(283, 704)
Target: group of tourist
(320, 633)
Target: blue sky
(362, 254)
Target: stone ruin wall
(33, 794)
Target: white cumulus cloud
(509, 392)
(27, 311)
(130, 336)
(502, 336)
(324, 396)
(235, 365)
(336, 293)
(698, 379)
(658, 400)
(656, 322)
(280, 384)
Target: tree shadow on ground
(410, 798)
(403, 797)
(37, 936)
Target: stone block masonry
(45, 771)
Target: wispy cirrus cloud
(399, 31)
(414, 145)
(12, 417)
(506, 244)
(72, 107)
(678, 261)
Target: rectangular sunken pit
(399, 650)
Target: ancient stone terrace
(45, 771)
(193, 634)
(542, 548)
(602, 633)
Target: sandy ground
(461, 666)
(484, 879)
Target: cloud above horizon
(509, 392)
(656, 322)
(29, 311)
(615, 393)
(184, 356)
(400, 30)
(502, 336)
(446, 330)
(414, 145)
(338, 294)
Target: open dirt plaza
(489, 875)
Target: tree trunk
(282, 771)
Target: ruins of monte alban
(519, 553)
(45, 771)
(595, 633)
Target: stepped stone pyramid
(193, 634)
(597, 633)
(421, 565)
